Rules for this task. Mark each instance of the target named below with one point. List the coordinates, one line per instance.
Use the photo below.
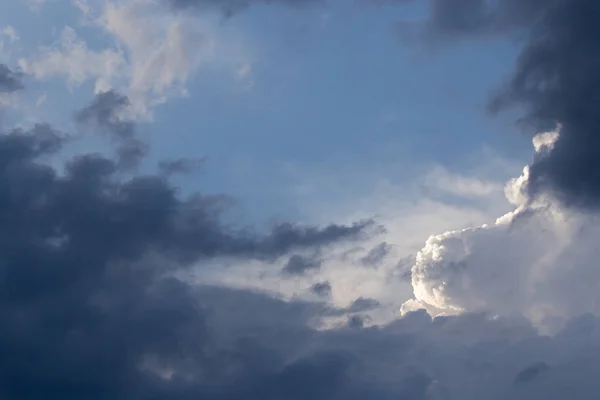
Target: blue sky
(289, 93)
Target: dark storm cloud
(555, 80)
(449, 20)
(10, 81)
(89, 307)
(285, 237)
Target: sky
(293, 199)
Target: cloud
(298, 265)
(536, 262)
(380, 266)
(10, 81)
(439, 179)
(8, 38)
(180, 166)
(321, 288)
(377, 254)
(10, 33)
(470, 18)
(554, 81)
(90, 306)
(72, 58)
(107, 114)
(96, 300)
(152, 58)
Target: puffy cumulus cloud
(537, 262)
(150, 55)
(378, 268)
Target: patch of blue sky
(335, 91)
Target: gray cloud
(363, 304)
(180, 166)
(555, 80)
(321, 288)
(464, 18)
(376, 255)
(10, 81)
(299, 265)
(89, 307)
(106, 114)
(532, 372)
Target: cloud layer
(103, 271)
(90, 304)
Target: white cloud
(538, 262)
(460, 185)
(10, 33)
(8, 38)
(151, 54)
(71, 57)
(163, 51)
(410, 216)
